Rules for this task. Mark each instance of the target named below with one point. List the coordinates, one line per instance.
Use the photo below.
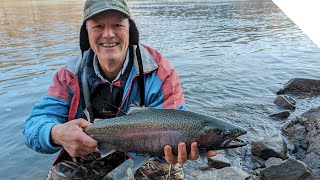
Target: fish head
(221, 136)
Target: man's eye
(99, 26)
(119, 25)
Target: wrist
(55, 135)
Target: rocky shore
(294, 154)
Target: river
(231, 55)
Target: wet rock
(258, 162)
(218, 161)
(227, 173)
(289, 169)
(285, 102)
(297, 134)
(273, 161)
(304, 133)
(301, 86)
(256, 178)
(274, 146)
(281, 115)
(313, 161)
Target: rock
(289, 169)
(281, 115)
(227, 173)
(297, 134)
(258, 162)
(313, 161)
(273, 161)
(285, 102)
(301, 86)
(313, 134)
(304, 133)
(270, 147)
(218, 161)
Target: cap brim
(106, 9)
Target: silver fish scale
(157, 118)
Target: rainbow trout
(147, 131)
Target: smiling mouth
(109, 45)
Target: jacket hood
(84, 39)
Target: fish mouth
(232, 143)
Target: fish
(147, 131)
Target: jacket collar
(148, 62)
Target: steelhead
(147, 131)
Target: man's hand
(70, 135)
(182, 153)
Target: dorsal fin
(134, 110)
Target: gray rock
(285, 102)
(304, 133)
(313, 134)
(227, 173)
(290, 169)
(273, 161)
(297, 134)
(281, 115)
(301, 86)
(313, 161)
(258, 162)
(274, 146)
(218, 161)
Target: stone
(301, 86)
(218, 161)
(281, 115)
(274, 146)
(284, 102)
(227, 173)
(273, 161)
(289, 169)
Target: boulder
(285, 102)
(227, 173)
(289, 169)
(273, 161)
(218, 161)
(281, 115)
(301, 86)
(304, 133)
(274, 146)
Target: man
(114, 73)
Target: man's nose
(108, 32)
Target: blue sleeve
(37, 128)
(155, 97)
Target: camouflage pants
(87, 168)
(93, 167)
(155, 169)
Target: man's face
(109, 37)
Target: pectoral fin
(139, 161)
(203, 155)
(106, 149)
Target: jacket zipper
(110, 88)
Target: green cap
(93, 7)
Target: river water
(231, 55)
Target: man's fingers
(83, 123)
(171, 159)
(211, 153)
(182, 153)
(194, 151)
(88, 141)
